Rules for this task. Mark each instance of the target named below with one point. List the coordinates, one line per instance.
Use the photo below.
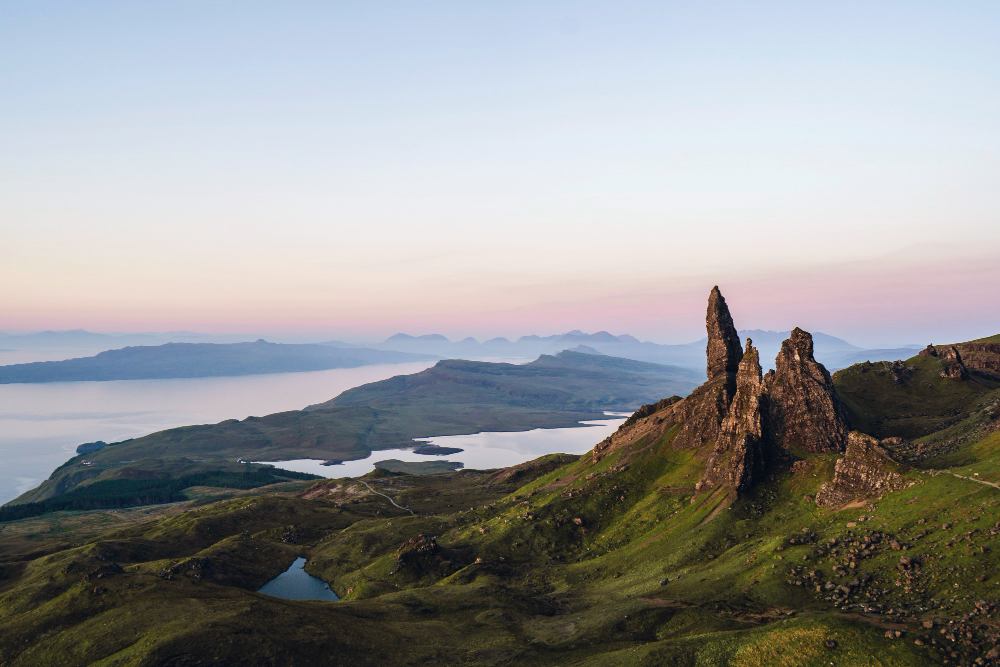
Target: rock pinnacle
(724, 349)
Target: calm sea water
(41, 424)
(481, 450)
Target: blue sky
(491, 168)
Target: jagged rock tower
(700, 415)
(804, 412)
(768, 419)
(738, 458)
(751, 423)
(724, 351)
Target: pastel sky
(354, 169)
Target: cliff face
(804, 411)
(984, 357)
(738, 458)
(866, 471)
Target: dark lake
(297, 584)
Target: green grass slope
(909, 399)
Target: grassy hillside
(910, 399)
(650, 574)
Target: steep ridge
(945, 390)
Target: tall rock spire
(738, 460)
(724, 350)
(803, 409)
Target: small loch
(297, 584)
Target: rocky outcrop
(866, 471)
(421, 556)
(750, 422)
(804, 412)
(698, 418)
(738, 459)
(951, 364)
(724, 349)
(982, 358)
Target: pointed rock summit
(748, 425)
(724, 350)
(803, 409)
(738, 460)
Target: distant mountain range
(833, 352)
(192, 360)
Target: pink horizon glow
(887, 300)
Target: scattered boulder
(421, 556)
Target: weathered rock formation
(951, 364)
(724, 349)
(804, 412)
(738, 459)
(752, 423)
(698, 418)
(866, 471)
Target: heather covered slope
(594, 562)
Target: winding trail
(407, 509)
(973, 479)
(995, 485)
